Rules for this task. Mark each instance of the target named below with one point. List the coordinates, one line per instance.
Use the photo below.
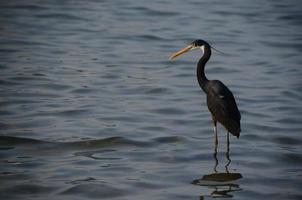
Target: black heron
(220, 100)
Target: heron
(220, 100)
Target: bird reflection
(222, 184)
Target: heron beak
(182, 51)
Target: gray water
(91, 107)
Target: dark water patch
(229, 13)
(110, 76)
(249, 101)
(38, 74)
(146, 185)
(286, 140)
(75, 112)
(288, 45)
(30, 164)
(291, 158)
(6, 50)
(61, 16)
(10, 140)
(2, 67)
(168, 111)
(6, 148)
(254, 114)
(183, 75)
(293, 17)
(99, 154)
(222, 70)
(154, 128)
(256, 164)
(111, 141)
(271, 129)
(170, 159)
(287, 107)
(85, 180)
(116, 167)
(280, 180)
(102, 158)
(169, 139)
(5, 126)
(255, 194)
(88, 160)
(188, 122)
(29, 94)
(29, 189)
(13, 102)
(260, 63)
(292, 94)
(8, 83)
(151, 37)
(54, 86)
(26, 125)
(154, 12)
(159, 90)
(30, 7)
(95, 191)
(22, 42)
(252, 137)
(289, 120)
(144, 38)
(14, 175)
(121, 119)
(83, 91)
(255, 87)
(138, 77)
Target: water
(91, 107)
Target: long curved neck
(201, 77)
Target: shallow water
(91, 108)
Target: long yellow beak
(182, 51)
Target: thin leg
(215, 132)
(228, 142)
(228, 153)
(216, 144)
(216, 160)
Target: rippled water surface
(91, 107)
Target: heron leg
(228, 143)
(215, 132)
(228, 153)
(216, 143)
(216, 159)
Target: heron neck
(201, 77)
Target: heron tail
(233, 127)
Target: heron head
(199, 43)
(193, 45)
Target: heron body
(220, 100)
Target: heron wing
(223, 107)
